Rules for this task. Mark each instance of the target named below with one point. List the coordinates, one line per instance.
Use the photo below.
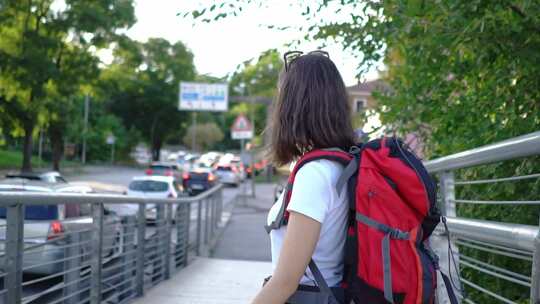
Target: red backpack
(392, 211)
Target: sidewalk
(244, 237)
(239, 263)
(211, 281)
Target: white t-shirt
(314, 195)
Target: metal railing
(100, 256)
(479, 245)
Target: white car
(149, 186)
(228, 174)
(52, 177)
(172, 157)
(187, 162)
(210, 158)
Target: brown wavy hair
(312, 110)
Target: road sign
(203, 96)
(241, 128)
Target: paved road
(117, 179)
(111, 175)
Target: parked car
(172, 157)
(164, 169)
(45, 228)
(228, 174)
(48, 177)
(187, 162)
(150, 187)
(210, 158)
(198, 180)
(226, 158)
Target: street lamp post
(252, 114)
(194, 130)
(85, 128)
(251, 151)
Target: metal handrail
(522, 146)
(504, 234)
(46, 198)
(494, 237)
(170, 243)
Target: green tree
(255, 78)
(465, 67)
(76, 69)
(36, 40)
(141, 87)
(206, 136)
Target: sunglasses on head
(291, 56)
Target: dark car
(198, 180)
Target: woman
(312, 112)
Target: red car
(164, 169)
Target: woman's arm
(298, 246)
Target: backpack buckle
(355, 150)
(398, 234)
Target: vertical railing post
(535, 272)
(14, 253)
(97, 256)
(168, 230)
(216, 217)
(160, 240)
(448, 195)
(199, 228)
(178, 217)
(141, 236)
(212, 202)
(128, 257)
(186, 233)
(206, 221)
(72, 268)
(220, 204)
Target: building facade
(361, 95)
(361, 99)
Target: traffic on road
(47, 227)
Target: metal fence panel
(101, 257)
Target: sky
(219, 47)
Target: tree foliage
(141, 87)
(255, 78)
(463, 73)
(454, 66)
(46, 52)
(206, 136)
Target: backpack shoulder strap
(333, 154)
